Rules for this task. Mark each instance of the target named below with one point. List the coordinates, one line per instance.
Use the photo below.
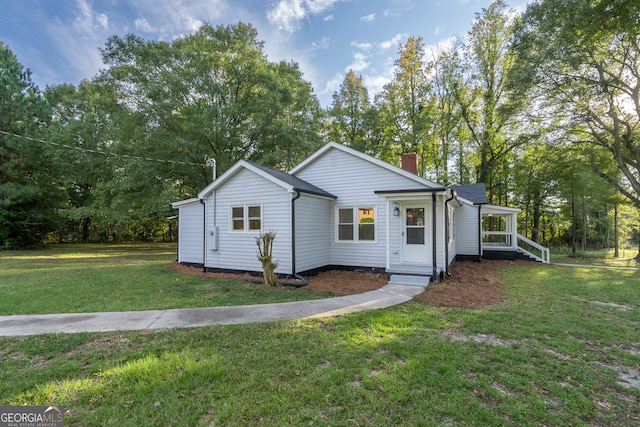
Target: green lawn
(555, 353)
(596, 257)
(88, 278)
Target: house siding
(467, 231)
(354, 181)
(190, 233)
(452, 233)
(313, 219)
(237, 250)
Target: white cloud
(319, 6)
(393, 42)
(168, 18)
(329, 18)
(143, 25)
(287, 14)
(322, 44)
(375, 83)
(360, 62)
(332, 85)
(437, 30)
(432, 51)
(79, 54)
(362, 46)
(88, 21)
(368, 18)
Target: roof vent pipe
(211, 162)
(410, 162)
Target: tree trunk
(537, 214)
(616, 236)
(584, 224)
(86, 228)
(265, 255)
(574, 236)
(637, 258)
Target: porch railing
(497, 239)
(533, 249)
(502, 240)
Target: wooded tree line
(544, 108)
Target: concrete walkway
(22, 325)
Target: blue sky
(59, 40)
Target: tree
(582, 60)
(28, 194)
(448, 128)
(213, 93)
(406, 108)
(486, 107)
(536, 177)
(82, 117)
(348, 113)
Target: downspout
(435, 236)
(446, 232)
(178, 232)
(204, 235)
(293, 231)
(479, 233)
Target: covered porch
(415, 231)
(500, 233)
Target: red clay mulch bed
(473, 285)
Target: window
(415, 226)
(254, 217)
(246, 218)
(366, 224)
(345, 224)
(356, 224)
(237, 218)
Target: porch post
(388, 234)
(514, 231)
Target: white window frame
(245, 217)
(356, 225)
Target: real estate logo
(31, 416)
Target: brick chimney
(410, 162)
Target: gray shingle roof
(297, 183)
(475, 193)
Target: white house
(338, 208)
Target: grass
(596, 257)
(89, 278)
(549, 355)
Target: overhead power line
(101, 152)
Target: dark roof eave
(418, 190)
(316, 193)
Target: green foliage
(211, 93)
(406, 110)
(348, 114)
(523, 104)
(28, 194)
(582, 59)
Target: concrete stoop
(403, 279)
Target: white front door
(416, 240)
